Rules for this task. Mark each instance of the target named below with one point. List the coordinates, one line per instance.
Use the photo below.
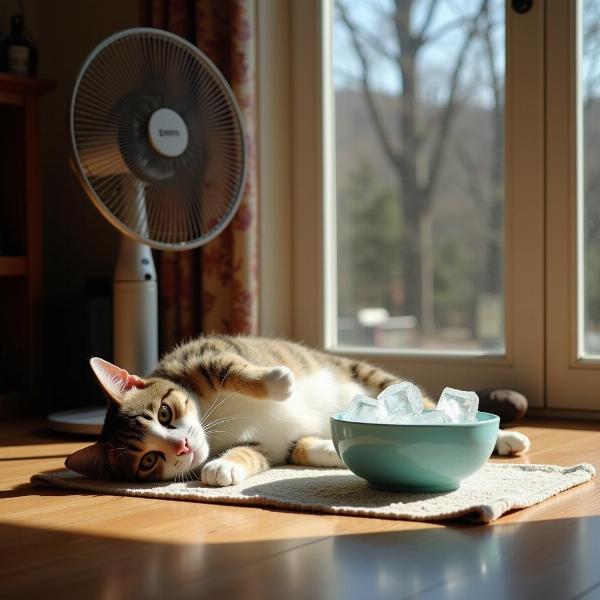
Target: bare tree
(418, 158)
(486, 189)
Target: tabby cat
(228, 408)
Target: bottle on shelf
(18, 53)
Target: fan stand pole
(135, 306)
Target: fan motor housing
(167, 132)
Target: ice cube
(459, 405)
(432, 417)
(364, 409)
(400, 400)
(399, 419)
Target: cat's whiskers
(214, 406)
(122, 451)
(218, 437)
(186, 476)
(224, 420)
(212, 432)
(193, 476)
(216, 402)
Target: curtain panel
(214, 288)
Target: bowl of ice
(395, 444)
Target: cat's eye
(148, 461)
(164, 414)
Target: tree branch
(444, 29)
(470, 168)
(497, 140)
(390, 151)
(377, 44)
(450, 108)
(496, 85)
(428, 18)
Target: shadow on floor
(26, 433)
(544, 559)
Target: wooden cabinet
(20, 241)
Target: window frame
(298, 261)
(274, 165)
(572, 380)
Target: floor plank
(56, 543)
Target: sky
(435, 59)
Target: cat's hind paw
(511, 443)
(280, 383)
(221, 472)
(323, 454)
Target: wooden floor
(61, 544)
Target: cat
(229, 408)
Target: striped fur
(204, 364)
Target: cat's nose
(182, 448)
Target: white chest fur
(275, 425)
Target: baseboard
(559, 413)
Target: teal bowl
(415, 458)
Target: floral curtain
(214, 288)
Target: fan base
(87, 421)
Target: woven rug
(484, 497)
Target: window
(419, 161)
(443, 213)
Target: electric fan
(157, 142)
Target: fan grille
(166, 202)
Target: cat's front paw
(511, 443)
(221, 472)
(280, 383)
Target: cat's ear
(88, 461)
(115, 381)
